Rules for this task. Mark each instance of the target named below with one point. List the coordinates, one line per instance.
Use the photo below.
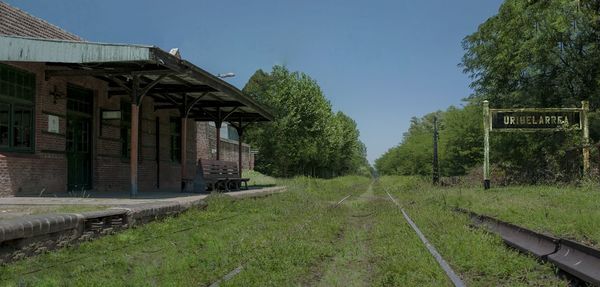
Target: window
(4, 125)
(17, 93)
(175, 128)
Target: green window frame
(17, 113)
(175, 129)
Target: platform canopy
(139, 71)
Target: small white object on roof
(175, 52)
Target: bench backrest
(218, 169)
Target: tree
(305, 138)
(537, 54)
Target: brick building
(76, 115)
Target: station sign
(524, 120)
(533, 120)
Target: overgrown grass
(300, 237)
(277, 240)
(567, 211)
(258, 179)
(480, 257)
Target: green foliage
(531, 54)
(306, 138)
(537, 54)
(460, 144)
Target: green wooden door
(79, 139)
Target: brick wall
(46, 168)
(207, 146)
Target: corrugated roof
(16, 22)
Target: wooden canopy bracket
(189, 108)
(148, 87)
(228, 114)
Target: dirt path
(352, 266)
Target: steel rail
(578, 260)
(343, 199)
(449, 272)
(227, 277)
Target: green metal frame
(16, 101)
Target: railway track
(443, 264)
(579, 261)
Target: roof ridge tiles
(17, 22)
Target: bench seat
(221, 175)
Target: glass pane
(70, 135)
(79, 99)
(22, 127)
(125, 143)
(4, 124)
(16, 83)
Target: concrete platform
(16, 207)
(122, 198)
(27, 235)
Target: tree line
(307, 137)
(530, 54)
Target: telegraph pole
(436, 164)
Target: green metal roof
(62, 51)
(107, 60)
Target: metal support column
(436, 163)
(486, 144)
(184, 130)
(133, 154)
(240, 131)
(585, 107)
(218, 138)
(218, 124)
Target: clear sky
(381, 62)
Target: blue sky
(381, 62)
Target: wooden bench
(221, 175)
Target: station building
(78, 115)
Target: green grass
(278, 239)
(258, 179)
(567, 211)
(298, 238)
(479, 257)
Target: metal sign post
(436, 162)
(585, 108)
(486, 144)
(534, 120)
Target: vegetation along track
(299, 238)
(577, 260)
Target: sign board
(53, 124)
(111, 115)
(534, 119)
(523, 120)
